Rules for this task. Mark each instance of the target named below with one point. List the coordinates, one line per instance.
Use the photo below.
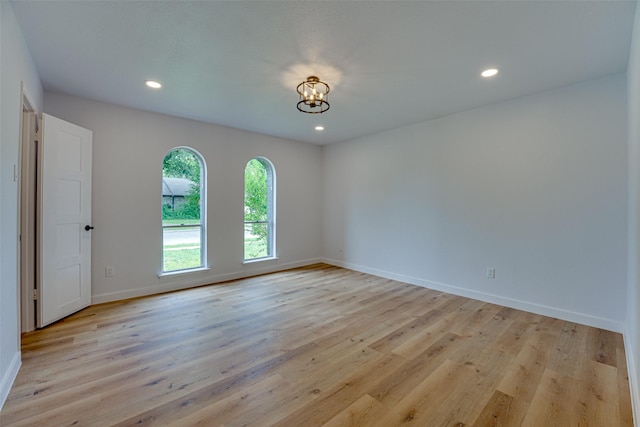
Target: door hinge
(36, 294)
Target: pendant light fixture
(313, 96)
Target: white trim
(200, 281)
(254, 260)
(632, 374)
(185, 271)
(571, 316)
(9, 378)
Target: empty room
(331, 213)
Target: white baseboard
(633, 376)
(544, 310)
(7, 380)
(199, 278)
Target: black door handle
(88, 227)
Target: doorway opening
(27, 215)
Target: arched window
(259, 209)
(183, 210)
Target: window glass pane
(259, 181)
(255, 240)
(255, 191)
(181, 248)
(173, 222)
(180, 201)
(182, 170)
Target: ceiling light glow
(490, 72)
(153, 84)
(319, 128)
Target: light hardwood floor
(317, 346)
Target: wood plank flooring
(317, 346)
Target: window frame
(203, 217)
(271, 212)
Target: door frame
(27, 213)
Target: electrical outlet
(491, 273)
(108, 272)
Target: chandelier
(313, 96)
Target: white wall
(632, 331)
(16, 67)
(534, 187)
(129, 146)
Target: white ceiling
(389, 63)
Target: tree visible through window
(259, 209)
(183, 219)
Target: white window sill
(251, 261)
(178, 272)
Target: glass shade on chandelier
(313, 96)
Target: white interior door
(64, 277)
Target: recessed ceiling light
(153, 84)
(490, 72)
(319, 128)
